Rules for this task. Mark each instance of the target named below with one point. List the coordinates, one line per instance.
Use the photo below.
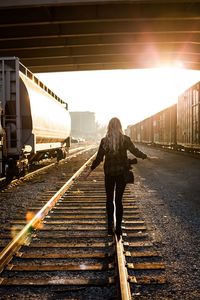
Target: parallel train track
(48, 164)
(65, 247)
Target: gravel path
(169, 189)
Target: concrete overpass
(71, 35)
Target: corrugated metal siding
(188, 117)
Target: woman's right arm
(97, 160)
(99, 157)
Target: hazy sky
(131, 95)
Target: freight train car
(35, 123)
(188, 118)
(135, 132)
(146, 131)
(164, 126)
(159, 129)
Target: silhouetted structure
(83, 124)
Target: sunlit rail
(16, 243)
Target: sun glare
(131, 95)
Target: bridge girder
(77, 35)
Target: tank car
(188, 119)
(35, 123)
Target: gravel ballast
(169, 192)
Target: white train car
(35, 122)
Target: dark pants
(114, 183)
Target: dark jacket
(115, 163)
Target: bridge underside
(51, 36)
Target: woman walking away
(113, 147)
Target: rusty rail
(124, 287)
(15, 244)
(72, 153)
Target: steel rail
(72, 153)
(8, 252)
(125, 292)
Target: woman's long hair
(114, 135)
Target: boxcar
(164, 126)
(177, 126)
(146, 129)
(159, 129)
(135, 132)
(188, 118)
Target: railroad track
(65, 249)
(48, 164)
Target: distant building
(83, 124)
